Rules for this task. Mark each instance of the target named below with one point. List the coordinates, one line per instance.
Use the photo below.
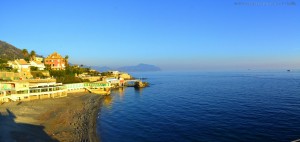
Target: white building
(21, 65)
(112, 80)
(114, 72)
(37, 64)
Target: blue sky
(173, 34)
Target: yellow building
(38, 59)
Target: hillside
(9, 52)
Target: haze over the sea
(172, 34)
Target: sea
(204, 107)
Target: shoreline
(71, 118)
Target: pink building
(55, 61)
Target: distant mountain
(9, 52)
(101, 69)
(139, 68)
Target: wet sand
(71, 118)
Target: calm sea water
(191, 106)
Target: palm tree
(25, 52)
(32, 55)
(66, 59)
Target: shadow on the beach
(10, 131)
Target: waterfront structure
(99, 84)
(20, 65)
(112, 80)
(74, 87)
(55, 61)
(23, 90)
(102, 88)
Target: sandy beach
(72, 118)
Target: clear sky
(173, 34)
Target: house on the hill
(21, 65)
(39, 59)
(37, 64)
(55, 61)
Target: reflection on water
(118, 94)
(107, 101)
(121, 91)
(138, 90)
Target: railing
(16, 97)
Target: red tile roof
(54, 55)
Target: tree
(66, 59)
(25, 52)
(48, 67)
(32, 55)
(34, 68)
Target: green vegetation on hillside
(108, 74)
(69, 75)
(40, 74)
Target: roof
(37, 62)
(54, 55)
(22, 62)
